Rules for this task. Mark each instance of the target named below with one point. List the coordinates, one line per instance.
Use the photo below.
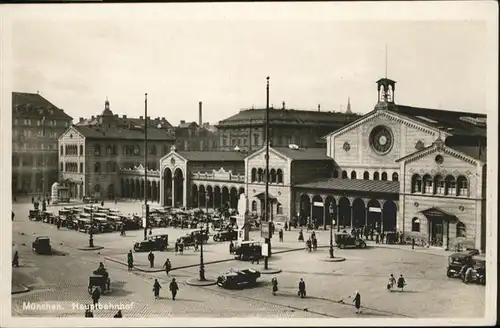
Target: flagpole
(267, 240)
(146, 209)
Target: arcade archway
(217, 197)
(390, 216)
(344, 212)
(210, 194)
(167, 187)
(179, 188)
(225, 197)
(305, 208)
(194, 196)
(359, 213)
(373, 216)
(318, 209)
(202, 196)
(233, 198)
(330, 210)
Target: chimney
(200, 113)
(283, 106)
(80, 120)
(319, 108)
(148, 117)
(124, 116)
(182, 121)
(141, 117)
(163, 118)
(93, 117)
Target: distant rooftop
(115, 132)
(34, 105)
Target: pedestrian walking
(231, 247)
(176, 247)
(181, 248)
(196, 245)
(156, 289)
(401, 283)
(377, 239)
(102, 203)
(15, 259)
(412, 242)
(122, 230)
(357, 302)
(88, 312)
(281, 235)
(173, 288)
(382, 236)
(286, 226)
(13, 215)
(392, 282)
(274, 282)
(96, 295)
(33, 200)
(301, 235)
(167, 266)
(255, 258)
(308, 245)
(151, 258)
(58, 224)
(302, 288)
(130, 260)
(372, 232)
(118, 314)
(315, 243)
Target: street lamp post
(202, 264)
(91, 232)
(331, 231)
(146, 207)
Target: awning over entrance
(437, 213)
(262, 196)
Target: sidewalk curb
(24, 290)
(335, 259)
(95, 248)
(197, 283)
(418, 250)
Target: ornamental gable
(71, 135)
(172, 160)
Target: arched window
(450, 185)
(81, 150)
(254, 175)
(153, 150)
(62, 150)
(376, 176)
(273, 176)
(344, 174)
(62, 167)
(97, 168)
(108, 150)
(254, 206)
(415, 225)
(114, 150)
(260, 175)
(109, 167)
(366, 176)
(335, 174)
(353, 175)
(137, 150)
(461, 231)
(427, 181)
(384, 176)
(279, 208)
(463, 186)
(165, 150)
(395, 177)
(416, 183)
(97, 188)
(279, 175)
(97, 150)
(439, 185)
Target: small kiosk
(59, 194)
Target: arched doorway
(241, 191)
(111, 191)
(234, 198)
(122, 188)
(137, 189)
(167, 187)
(330, 210)
(305, 209)
(390, 216)
(210, 194)
(154, 192)
(194, 196)
(97, 191)
(358, 212)
(217, 197)
(344, 212)
(318, 208)
(148, 190)
(202, 195)
(225, 197)
(373, 216)
(179, 188)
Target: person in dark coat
(118, 314)
(308, 245)
(13, 215)
(377, 239)
(181, 248)
(281, 235)
(231, 247)
(96, 295)
(274, 282)
(371, 234)
(302, 288)
(102, 203)
(401, 282)
(33, 200)
(382, 236)
(357, 302)
(88, 312)
(173, 288)
(58, 224)
(130, 260)
(167, 266)
(15, 260)
(156, 289)
(122, 230)
(176, 247)
(286, 226)
(301, 235)
(151, 259)
(315, 243)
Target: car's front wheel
(341, 246)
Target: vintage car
(90, 200)
(235, 278)
(458, 262)
(49, 217)
(100, 282)
(65, 212)
(226, 235)
(248, 250)
(153, 243)
(478, 270)
(217, 224)
(35, 215)
(190, 238)
(41, 245)
(345, 239)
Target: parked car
(41, 245)
(226, 235)
(238, 278)
(248, 250)
(345, 239)
(479, 270)
(90, 200)
(457, 261)
(189, 239)
(35, 215)
(153, 243)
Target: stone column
(381, 219)
(173, 191)
(324, 216)
(352, 216)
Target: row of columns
(135, 188)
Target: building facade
(191, 136)
(415, 170)
(104, 156)
(305, 128)
(36, 127)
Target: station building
(397, 168)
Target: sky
(223, 60)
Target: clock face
(381, 139)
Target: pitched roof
(212, 156)
(304, 154)
(122, 121)
(103, 132)
(353, 185)
(33, 105)
(288, 116)
(475, 152)
(454, 122)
